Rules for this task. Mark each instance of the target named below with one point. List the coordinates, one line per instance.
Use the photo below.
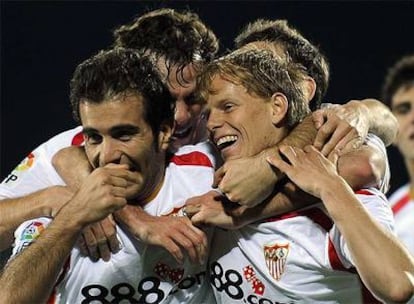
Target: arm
(239, 179)
(174, 233)
(15, 211)
(100, 195)
(347, 125)
(376, 253)
(98, 240)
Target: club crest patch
(276, 256)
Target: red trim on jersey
(78, 139)
(401, 203)
(367, 296)
(363, 191)
(65, 269)
(334, 260)
(192, 159)
(315, 214)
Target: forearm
(378, 257)
(17, 210)
(43, 260)
(302, 135)
(288, 199)
(382, 122)
(72, 165)
(362, 168)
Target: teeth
(226, 139)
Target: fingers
(318, 118)
(100, 240)
(218, 176)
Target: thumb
(218, 176)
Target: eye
(124, 137)
(228, 107)
(93, 139)
(402, 108)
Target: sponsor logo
(275, 257)
(250, 275)
(166, 272)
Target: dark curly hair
(300, 50)
(401, 74)
(180, 38)
(122, 71)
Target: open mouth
(226, 141)
(182, 132)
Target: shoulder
(201, 154)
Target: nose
(109, 152)
(214, 120)
(182, 113)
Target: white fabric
(299, 257)
(403, 208)
(36, 172)
(145, 273)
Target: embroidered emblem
(250, 276)
(165, 272)
(275, 256)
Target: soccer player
(253, 101)
(35, 189)
(398, 94)
(127, 117)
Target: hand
(247, 181)
(54, 198)
(341, 127)
(211, 209)
(104, 191)
(173, 233)
(308, 168)
(99, 240)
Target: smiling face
(115, 131)
(189, 128)
(402, 106)
(242, 124)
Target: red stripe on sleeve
(401, 203)
(366, 192)
(334, 258)
(78, 139)
(192, 159)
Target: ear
(164, 136)
(309, 88)
(279, 107)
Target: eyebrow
(118, 128)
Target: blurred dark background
(43, 41)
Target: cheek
(196, 110)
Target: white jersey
(403, 208)
(36, 171)
(375, 142)
(139, 273)
(299, 257)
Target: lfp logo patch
(26, 163)
(32, 231)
